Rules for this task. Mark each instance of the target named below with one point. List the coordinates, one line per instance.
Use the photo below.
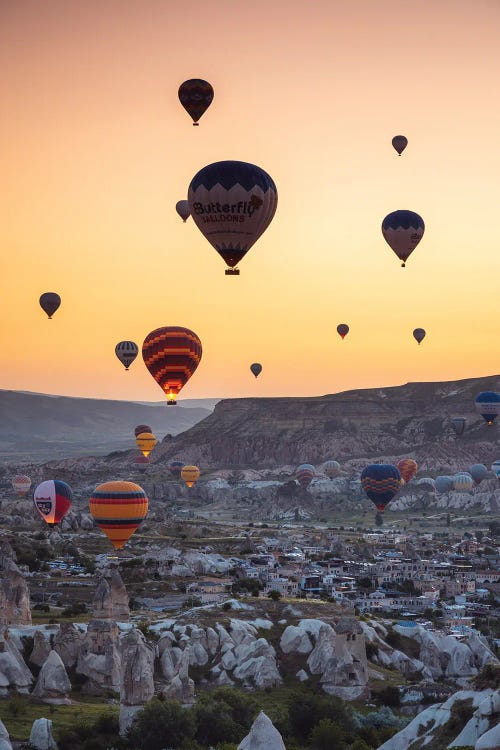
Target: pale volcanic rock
(67, 643)
(14, 593)
(41, 649)
(263, 735)
(53, 685)
(490, 740)
(14, 674)
(295, 640)
(212, 641)
(111, 600)
(99, 658)
(137, 666)
(4, 737)
(181, 687)
(41, 735)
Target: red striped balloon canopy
(171, 354)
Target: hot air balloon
(175, 468)
(478, 472)
(381, 482)
(141, 463)
(444, 484)
(142, 428)
(342, 330)
(495, 468)
(126, 351)
(331, 469)
(182, 208)
(458, 424)
(21, 484)
(145, 441)
(196, 96)
(171, 355)
(190, 474)
(304, 475)
(402, 231)
(256, 369)
(52, 500)
(463, 482)
(232, 204)
(419, 335)
(407, 468)
(49, 302)
(426, 483)
(118, 508)
(400, 142)
(488, 405)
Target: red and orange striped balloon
(407, 468)
(171, 355)
(118, 508)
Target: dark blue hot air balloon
(444, 484)
(381, 482)
(488, 405)
(175, 468)
(402, 231)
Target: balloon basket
(171, 403)
(232, 271)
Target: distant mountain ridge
(41, 427)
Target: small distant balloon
(400, 142)
(407, 468)
(175, 468)
(459, 424)
(478, 472)
(182, 208)
(190, 474)
(419, 335)
(52, 500)
(256, 369)
(444, 484)
(126, 351)
(196, 95)
(331, 468)
(304, 474)
(495, 468)
(50, 302)
(488, 405)
(145, 441)
(463, 482)
(21, 484)
(342, 330)
(402, 231)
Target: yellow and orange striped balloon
(190, 474)
(118, 508)
(146, 441)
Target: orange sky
(95, 150)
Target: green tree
(274, 595)
(162, 724)
(327, 735)
(223, 715)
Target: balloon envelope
(342, 330)
(52, 500)
(190, 474)
(463, 482)
(458, 424)
(145, 441)
(175, 468)
(478, 472)
(381, 482)
(488, 405)
(182, 208)
(407, 468)
(50, 302)
(232, 204)
(126, 351)
(400, 142)
(331, 468)
(142, 428)
(196, 95)
(495, 467)
(118, 508)
(21, 484)
(304, 475)
(444, 484)
(402, 231)
(256, 369)
(171, 355)
(419, 335)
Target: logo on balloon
(227, 211)
(44, 505)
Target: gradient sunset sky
(95, 150)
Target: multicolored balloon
(118, 508)
(142, 428)
(141, 463)
(419, 335)
(145, 441)
(331, 468)
(444, 484)
(304, 474)
(171, 355)
(463, 482)
(21, 484)
(182, 208)
(488, 405)
(478, 472)
(495, 467)
(50, 302)
(402, 231)
(52, 499)
(459, 424)
(175, 468)
(400, 142)
(342, 330)
(381, 482)
(232, 204)
(407, 468)
(256, 369)
(196, 95)
(190, 474)
(126, 351)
